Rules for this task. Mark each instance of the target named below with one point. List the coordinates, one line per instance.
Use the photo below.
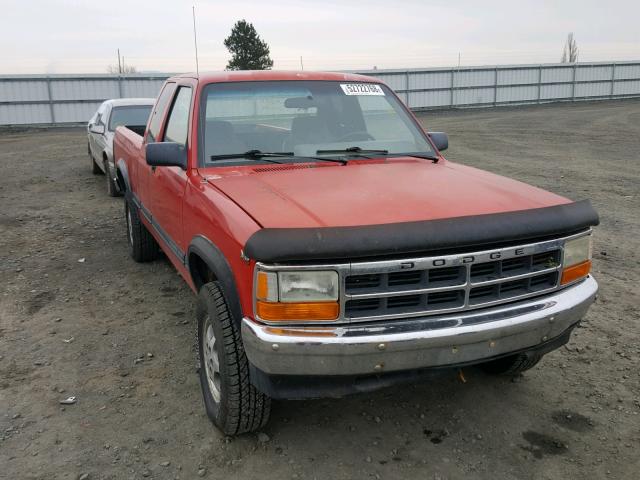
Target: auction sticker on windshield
(361, 89)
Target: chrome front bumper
(433, 341)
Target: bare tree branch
(122, 69)
(570, 52)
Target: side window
(178, 123)
(158, 112)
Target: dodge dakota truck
(333, 249)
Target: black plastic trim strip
(122, 175)
(324, 243)
(213, 257)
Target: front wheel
(232, 403)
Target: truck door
(167, 184)
(143, 171)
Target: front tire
(232, 403)
(142, 246)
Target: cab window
(159, 111)
(178, 123)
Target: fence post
(573, 82)
(406, 84)
(453, 82)
(613, 78)
(540, 84)
(495, 87)
(51, 110)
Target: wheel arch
(206, 263)
(122, 176)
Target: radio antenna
(195, 38)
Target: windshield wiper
(353, 150)
(260, 155)
(253, 155)
(364, 153)
(426, 156)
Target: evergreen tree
(248, 50)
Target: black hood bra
(422, 237)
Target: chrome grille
(423, 286)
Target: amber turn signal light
(262, 289)
(575, 272)
(310, 311)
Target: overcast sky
(56, 36)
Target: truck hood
(371, 192)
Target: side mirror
(166, 154)
(440, 140)
(99, 129)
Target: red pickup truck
(333, 249)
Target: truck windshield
(128, 116)
(306, 118)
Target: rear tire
(232, 403)
(142, 246)
(513, 364)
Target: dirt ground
(79, 318)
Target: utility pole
(119, 65)
(301, 64)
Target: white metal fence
(60, 99)
(512, 84)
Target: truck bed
(127, 143)
(139, 129)
(127, 137)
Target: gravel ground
(79, 318)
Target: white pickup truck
(130, 112)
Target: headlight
(308, 286)
(297, 295)
(577, 259)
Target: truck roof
(266, 75)
(127, 102)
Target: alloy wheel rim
(211, 359)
